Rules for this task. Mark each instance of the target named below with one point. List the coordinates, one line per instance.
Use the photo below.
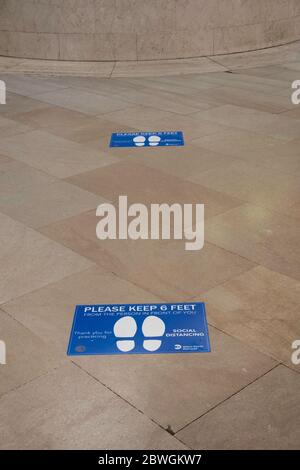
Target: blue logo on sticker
(139, 329)
(147, 139)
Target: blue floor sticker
(147, 139)
(139, 329)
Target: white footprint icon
(152, 326)
(139, 140)
(154, 140)
(126, 327)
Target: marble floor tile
(261, 122)
(140, 117)
(266, 187)
(281, 72)
(166, 101)
(206, 379)
(117, 179)
(30, 260)
(26, 359)
(54, 155)
(72, 125)
(58, 411)
(83, 101)
(257, 83)
(48, 312)
(182, 273)
(30, 86)
(177, 161)
(4, 160)
(15, 175)
(9, 127)
(16, 104)
(247, 98)
(57, 199)
(260, 308)
(157, 84)
(294, 113)
(255, 149)
(265, 415)
(149, 119)
(260, 235)
(294, 211)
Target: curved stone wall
(143, 29)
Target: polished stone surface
(58, 410)
(263, 416)
(241, 159)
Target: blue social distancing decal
(147, 139)
(139, 329)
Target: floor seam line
(228, 398)
(127, 401)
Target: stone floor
(242, 160)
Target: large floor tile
(149, 119)
(294, 210)
(83, 101)
(48, 311)
(265, 415)
(293, 113)
(30, 86)
(266, 187)
(15, 175)
(72, 125)
(131, 179)
(166, 101)
(251, 147)
(56, 201)
(197, 382)
(259, 307)
(52, 154)
(27, 356)
(242, 80)
(281, 72)
(193, 125)
(161, 84)
(30, 260)
(264, 123)
(118, 88)
(140, 117)
(9, 127)
(163, 267)
(262, 236)
(21, 186)
(248, 98)
(4, 160)
(16, 104)
(67, 409)
(177, 161)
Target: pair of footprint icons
(140, 140)
(126, 329)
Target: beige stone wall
(143, 29)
